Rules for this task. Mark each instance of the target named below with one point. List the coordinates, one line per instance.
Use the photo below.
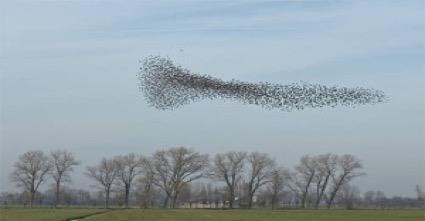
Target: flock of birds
(168, 86)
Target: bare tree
(105, 174)
(229, 167)
(30, 172)
(279, 175)
(325, 165)
(176, 167)
(347, 169)
(306, 170)
(128, 167)
(348, 196)
(294, 184)
(260, 169)
(62, 163)
(163, 174)
(146, 182)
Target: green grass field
(37, 214)
(211, 215)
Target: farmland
(209, 215)
(43, 214)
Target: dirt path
(87, 215)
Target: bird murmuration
(167, 87)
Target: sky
(69, 81)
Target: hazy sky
(68, 80)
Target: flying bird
(167, 86)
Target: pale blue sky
(68, 80)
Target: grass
(211, 215)
(259, 215)
(44, 214)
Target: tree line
(181, 177)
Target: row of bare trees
(33, 168)
(167, 175)
(169, 170)
(324, 173)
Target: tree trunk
(305, 193)
(250, 196)
(274, 199)
(32, 194)
(57, 193)
(303, 199)
(127, 195)
(146, 201)
(166, 201)
(147, 196)
(173, 201)
(333, 194)
(232, 199)
(331, 199)
(322, 191)
(107, 198)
